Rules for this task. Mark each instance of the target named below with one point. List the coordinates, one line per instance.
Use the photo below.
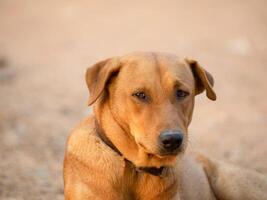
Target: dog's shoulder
(82, 143)
(81, 133)
(85, 146)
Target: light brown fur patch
(93, 170)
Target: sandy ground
(45, 47)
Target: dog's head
(150, 96)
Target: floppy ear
(98, 76)
(203, 79)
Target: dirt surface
(45, 47)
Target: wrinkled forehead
(156, 68)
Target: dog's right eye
(180, 94)
(140, 95)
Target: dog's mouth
(155, 158)
(159, 153)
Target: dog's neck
(130, 152)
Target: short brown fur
(93, 170)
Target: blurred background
(46, 46)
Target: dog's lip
(169, 154)
(159, 155)
(180, 150)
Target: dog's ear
(203, 79)
(98, 75)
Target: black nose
(170, 140)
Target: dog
(133, 146)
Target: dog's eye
(140, 95)
(180, 94)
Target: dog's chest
(143, 186)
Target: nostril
(167, 142)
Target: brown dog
(133, 146)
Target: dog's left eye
(180, 94)
(140, 95)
